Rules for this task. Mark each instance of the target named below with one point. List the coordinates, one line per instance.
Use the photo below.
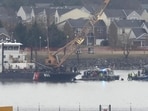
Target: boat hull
(104, 78)
(41, 77)
(139, 78)
(58, 77)
(105, 74)
(16, 76)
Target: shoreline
(102, 57)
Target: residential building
(4, 35)
(95, 33)
(26, 13)
(120, 30)
(138, 37)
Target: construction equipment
(71, 47)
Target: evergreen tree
(15, 4)
(56, 37)
(1, 24)
(20, 33)
(33, 36)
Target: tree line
(15, 4)
(35, 36)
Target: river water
(81, 93)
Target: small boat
(140, 76)
(14, 66)
(104, 74)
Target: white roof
(12, 44)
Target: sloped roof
(4, 31)
(100, 23)
(92, 8)
(93, 5)
(78, 22)
(115, 13)
(146, 23)
(27, 9)
(128, 23)
(50, 11)
(139, 32)
(38, 10)
(129, 11)
(124, 4)
(63, 11)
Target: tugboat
(13, 63)
(104, 74)
(14, 66)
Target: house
(144, 15)
(74, 27)
(40, 16)
(145, 26)
(26, 13)
(4, 34)
(120, 30)
(138, 37)
(94, 33)
(110, 15)
(100, 32)
(61, 16)
(133, 14)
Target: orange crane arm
(71, 47)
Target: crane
(70, 47)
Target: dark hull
(139, 78)
(16, 76)
(58, 77)
(31, 76)
(104, 78)
(99, 75)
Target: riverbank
(103, 57)
(116, 62)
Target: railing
(43, 108)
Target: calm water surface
(87, 94)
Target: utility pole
(40, 41)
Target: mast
(2, 57)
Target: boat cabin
(11, 57)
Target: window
(15, 47)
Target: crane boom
(71, 47)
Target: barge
(14, 66)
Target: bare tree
(113, 37)
(126, 44)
